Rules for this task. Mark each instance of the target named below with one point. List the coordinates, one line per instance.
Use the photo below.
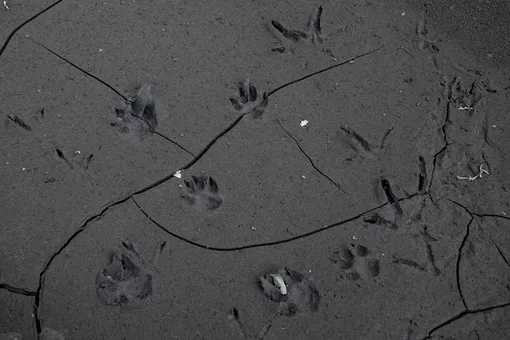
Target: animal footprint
(127, 278)
(289, 37)
(423, 43)
(139, 115)
(201, 192)
(77, 158)
(355, 262)
(364, 148)
(249, 101)
(295, 293)
(236, 323)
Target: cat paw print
(249, 101)
(355, 262)
(201, 192)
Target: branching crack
(309, 159)
(463, 314)
(26, 22)
(196, 158)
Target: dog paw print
(127, 278)
(355, 262)
(202, 192)
(138, 117)
(249, 101)
(295, 293)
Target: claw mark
(391, 197)
(61, 155)
(17, 120)
(362, 146)
(87, 161)
(314, 26)
(410, 263)
(357, 142)
(422, 174)
(381, 221)
(293, 35)
(384, 137)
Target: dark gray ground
(361, 211)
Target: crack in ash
(310, 160)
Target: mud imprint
(138, 117)
(202, 192)
(244, 334)
(296, 294)
(249, 101)
(127, 278)
(355, 262)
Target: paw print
(355, 262)
(248, 100)
(138, 117)
(201, 192)
(127, 278)
(295, 292)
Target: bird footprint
(289, 37)
(202, 192)
(249, 101)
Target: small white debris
(471, 178)
(303, 123)
(77, 152)
(175, 59)
(504, 213)
(24, 169)
(278, 281)
(253, 228)
(351, 61)
(354, 238)
(100, 50)
(178, 174)
(465, 108)
(303, 176)
(494, 126)
(5, 5)
(403, 13)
